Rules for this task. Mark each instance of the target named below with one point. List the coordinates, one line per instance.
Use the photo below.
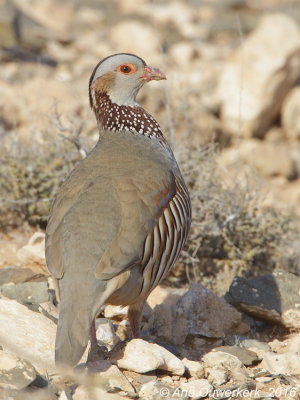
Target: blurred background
(230, 109)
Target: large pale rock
(268, 159)
(140, 356)
(27, 334)
(33, 253)
(292, 343)
(271, 297)
(257, 78)
(198, 312)
(15, 373)
(286, 363)
(290, 114)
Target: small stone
(255, 345)
(264, 379)
(105, 375)
(63, 396)
(247, 357)
(239, 377)
(225, 360)
(105, 332)
(141, 357)
(197, 389)
(259, 372)
(15, 373)
(81, 393)
(216, 375)
(194, 368)
(117, 313)
(149, 390)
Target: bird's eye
(126, 69)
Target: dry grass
(232, 232)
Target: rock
(17, 274)
(194, 368)
(33, 253)
(15, 373)
(27, 334)
(117, 313)
(104, 375)
(292, 343)
(143, 38)
(216, 375)
(281, 364)
(61, 14)
(142, 357)
(163, 295)
(290, 114)
(81, 393)
(105, 332)
(198, 312)
(222, 359)
(197, 389)
(247, 357)
(259, 75)
(149, 390)
(271, 297)
(255, 346)
(269, 159)
(28, 292)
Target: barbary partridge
(121, 217)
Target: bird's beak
(152, 74)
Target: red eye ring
(126, 69)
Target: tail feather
(77, 310)
(72, 336)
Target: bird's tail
(77, 310)
(72, 336)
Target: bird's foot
(116, 350)
(97, 353)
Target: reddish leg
(96, 352)
(135, 313)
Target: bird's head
(120, 76)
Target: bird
(122, 216)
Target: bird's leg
(135, 313)
(96, 352)
(93, 336)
